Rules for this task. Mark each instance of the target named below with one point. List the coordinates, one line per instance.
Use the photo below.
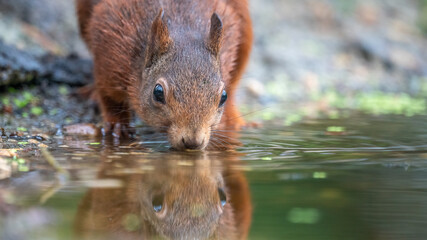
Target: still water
(363, 177)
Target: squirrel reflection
(184, 197)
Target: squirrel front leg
(116, 116)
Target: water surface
(363, 177)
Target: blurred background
(312, 58)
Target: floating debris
(320, 175)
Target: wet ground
(360, 177)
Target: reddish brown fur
(102, 212)
(125, 37)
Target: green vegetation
(20, 101)
(22, 129)
(54, 111)
(320, 175)
(63, 90)
(5, 101)
(11, 90)
(334, 105)
(36, 111)
(378, 103)
(422, 20)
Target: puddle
(362, 177)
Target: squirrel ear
(160, 40)
(215, 34)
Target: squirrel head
(186, 203)
(182, 91)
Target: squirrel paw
(118, 130)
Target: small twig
(50, 192)
(61, 175)
(51, 160)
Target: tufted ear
(160, 41)
(215, 34)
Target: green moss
(423, 89)
(5, 101)
(387, 103)
(68, 120)
(37, 111)
(422, 20)
(27, 96)
(334, 104)
(378, 103)
(63, 90)
(22, 129)
(53, 111)
(11, 90)
(20, 103)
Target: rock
(70, 70)
(89, 130)
(18, 67)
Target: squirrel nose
(192, 143)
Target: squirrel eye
(158, 93)
(158, 203)
(223, 98)
(222, 197)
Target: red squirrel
(175, 63)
